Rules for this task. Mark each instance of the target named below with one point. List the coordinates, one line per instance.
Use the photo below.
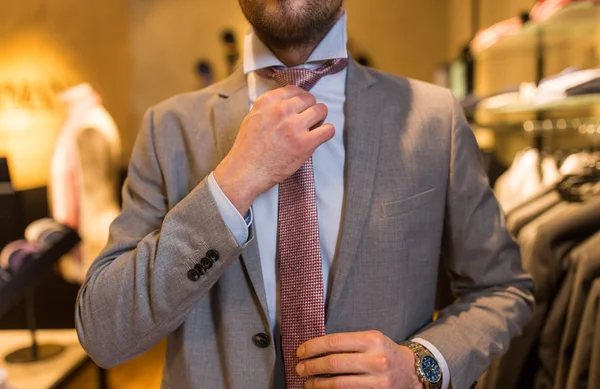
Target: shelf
(572, 102)
(576, 21)
(518, 113)
(51, 373)
(30, 276)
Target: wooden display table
(47, 374)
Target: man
(300, 242)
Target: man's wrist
(411, 358)
(237, 190)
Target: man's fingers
(285, 93)
(312, 116)
(302, 102)
(355, 363)
(346, 382)
(317, 137)
(343, 342)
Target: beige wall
(62, 42)
(405, 37)
(168, 37)
(493, 11)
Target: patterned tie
(299, 255)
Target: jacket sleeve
(140, 288)
(495, 295)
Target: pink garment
(90, 209)
(543, 9)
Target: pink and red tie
(299, 251)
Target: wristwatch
(428, 368)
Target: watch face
(431, 369)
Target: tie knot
(303, 78)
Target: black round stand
(35, 352)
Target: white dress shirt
(328, 164)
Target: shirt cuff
(440, 358)
(234, 221)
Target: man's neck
(298, 54)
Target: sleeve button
(200, 269)
(193, 275)
(206, 263)
(213, 255)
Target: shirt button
(206, 263)
(193, 275)
(261, 340)
(213, 255)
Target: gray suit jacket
(584, 371)
(414, 189)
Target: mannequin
(84, 177)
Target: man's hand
(274, 141)
(372, 360)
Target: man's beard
(285, 26)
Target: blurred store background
(77, 76)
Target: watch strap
(421, 352)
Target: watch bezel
(421, 373)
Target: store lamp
(33, 69)
(26, 142)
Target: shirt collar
(258, 56)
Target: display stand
(68, 369)
(35, 352)
(23, 284)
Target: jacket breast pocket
(400, 207)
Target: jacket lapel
(230, 109)
(362, 138)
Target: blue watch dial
(431, 369)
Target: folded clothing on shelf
(556, 88)
(500, 100)
(544, 9)
(516, 95)
(587, 88)
(487, 37)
